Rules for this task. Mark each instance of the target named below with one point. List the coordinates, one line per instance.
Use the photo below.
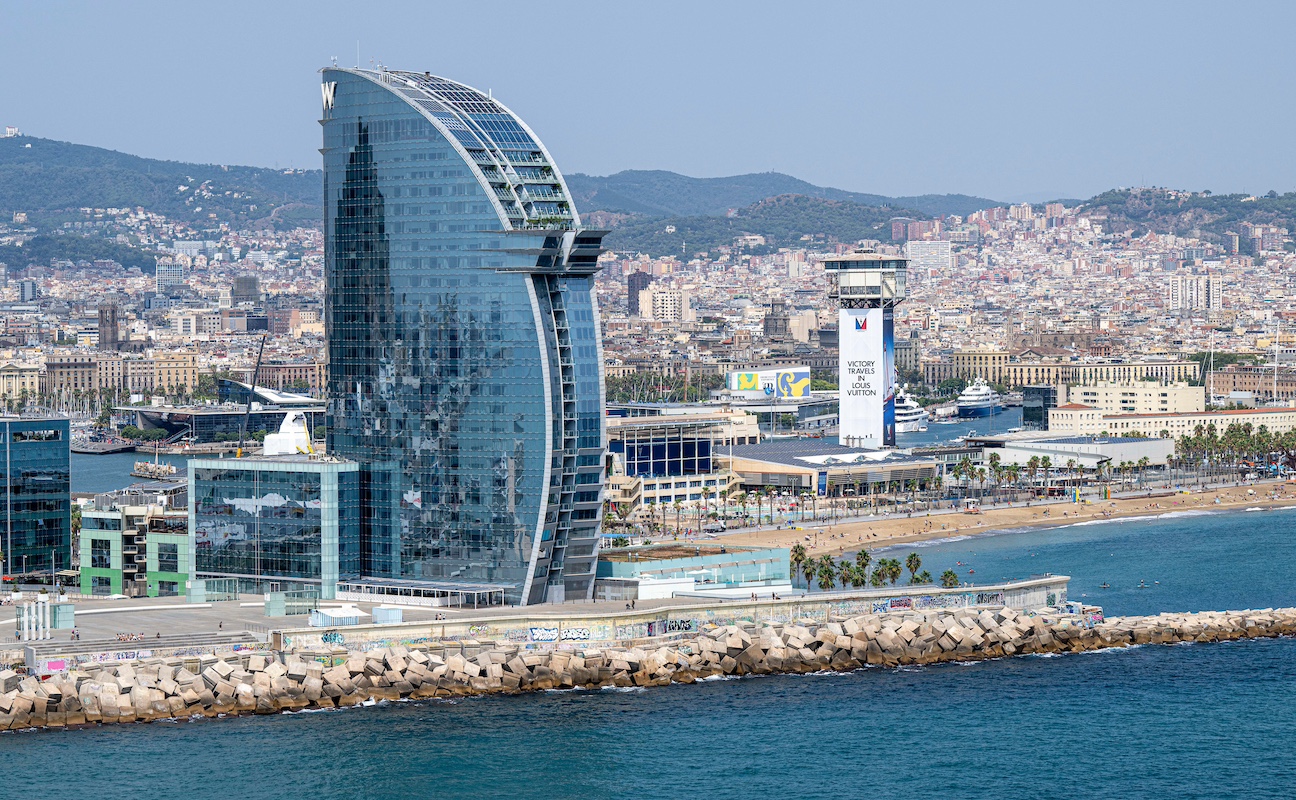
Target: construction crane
(247, 411)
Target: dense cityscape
(432, 419)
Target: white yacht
(909, 416)
(979, 400)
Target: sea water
(1189, 721)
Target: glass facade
(465, 364)
(274, 520)
(37, 503)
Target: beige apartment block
(999, 366)
(1140, 397)
(172, 370)
(17, 377)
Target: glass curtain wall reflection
(275, 520)
(464, 350)
(37, 506)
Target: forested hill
(1182, 213)
(659, 193)
(783, 221)
(42, 175)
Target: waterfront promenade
(838, 536)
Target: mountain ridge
(665, 193)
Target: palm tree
(827, 572)
(707, 491)
(1046, 464)
(845, 573)
(862, 559)
(913, 563)
(924, 577)
(949, 579)
(893, 570)
(808, 569)
(996, 471)
(1032, 467)
(798, 556)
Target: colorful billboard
(792, 382)
(867, 377)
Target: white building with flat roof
(1082, 420)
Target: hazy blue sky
(995, 99)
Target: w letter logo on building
(328, 90)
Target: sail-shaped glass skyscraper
(465, 364)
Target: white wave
(624, 689)
(1253, 508)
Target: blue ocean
(1188, 721)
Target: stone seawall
(272, 682)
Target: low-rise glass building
(36, 508)
(276, 523)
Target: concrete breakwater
(272, 682)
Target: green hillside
(781, 220)
(50, 176)
(660, 193)
(43, 249)
(1164, 211)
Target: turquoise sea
(1189, 721)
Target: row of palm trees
(1211, 450)
(827, 572)
(1002, 475)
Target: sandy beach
(884, 531)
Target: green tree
(827, 573)
(913, 563)
(798, 557)
(949, 579)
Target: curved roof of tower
(509, 161)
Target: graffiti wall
(622, 628)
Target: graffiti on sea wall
(577, 632)
(544, 634)
(635, 630)
(941, 601)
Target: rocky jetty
(269, 682)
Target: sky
(1004, 100)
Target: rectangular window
(50, 435)
(100, 554)
(168, 558)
